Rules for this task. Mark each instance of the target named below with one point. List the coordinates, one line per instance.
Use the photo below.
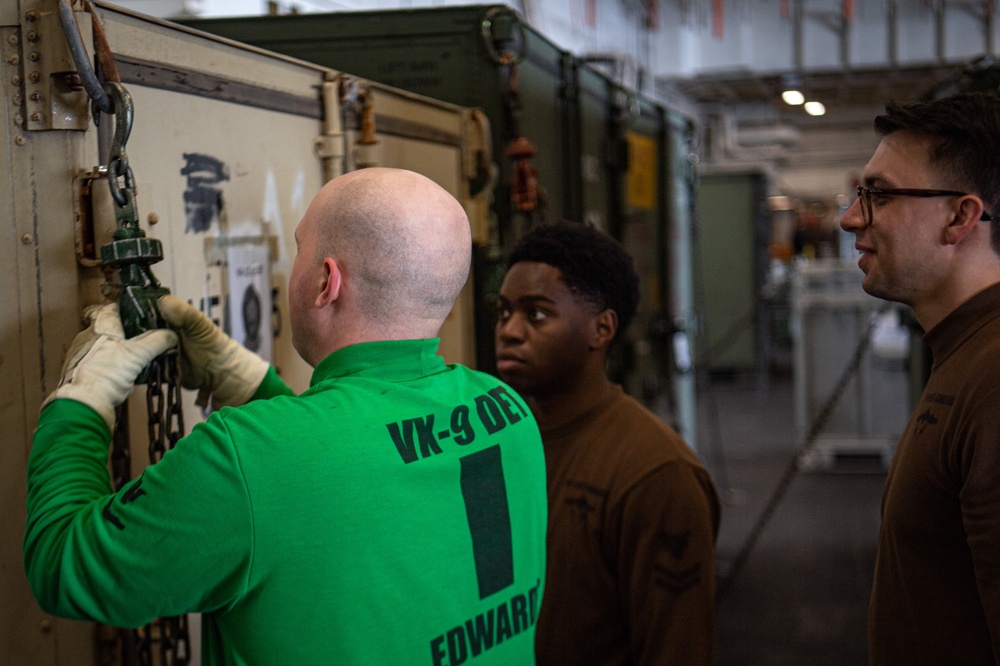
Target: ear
(332, 282)
(970, 209)
(605, 325)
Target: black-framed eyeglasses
(865, 194)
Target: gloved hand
(101, 365)
(211, 361)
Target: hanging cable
(818, 423)
(702, 364)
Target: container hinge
(53, 94)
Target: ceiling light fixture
(793, 97)
(815, 108)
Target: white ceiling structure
(726, 62)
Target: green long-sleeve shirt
(394, 513)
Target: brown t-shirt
(936, 596)
(633, 517)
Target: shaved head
(405, 239)
(402, 243)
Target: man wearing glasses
(923, 225)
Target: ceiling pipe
(730, 144)
(892, 25)
(939, 30)
(838, 22)
(988, 26)
(797, 34)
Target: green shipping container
(732, 247)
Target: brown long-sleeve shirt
(936, 595)
(633, 517)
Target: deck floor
(801, 596)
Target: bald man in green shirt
(393, 513)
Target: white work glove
(101, 365)
(211, 361)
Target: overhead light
(815, 108)
(793, 97)
(780, 202)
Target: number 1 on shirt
(485, 493)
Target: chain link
(118, 166)
(156, 410)
(166, 427)
(121, 454)
(174, 414)
(174, 641)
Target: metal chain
(163, 401)
(118, 166)
(156, 410)
(174, 414)
(175, 641)
(173, 638)
(121, 454)
(166, 427)
(162, 376)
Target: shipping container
(227, 146)
(733, 235)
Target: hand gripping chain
(131, 253)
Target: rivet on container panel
(27, 238)
(152, 218)
(45, 625)
(20, 140)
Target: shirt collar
(962, 323)
(391, 360)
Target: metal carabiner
(507, 20)
(118, 166)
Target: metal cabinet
(831, 317)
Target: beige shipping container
(228, 146)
